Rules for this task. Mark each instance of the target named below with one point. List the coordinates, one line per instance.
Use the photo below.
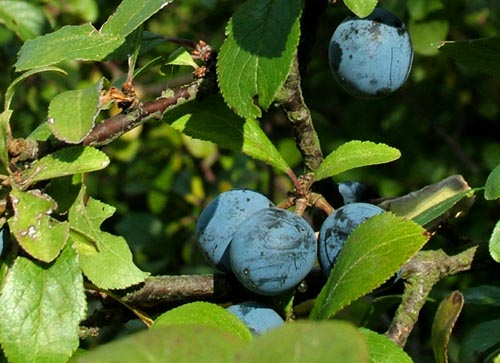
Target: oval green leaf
(178, 343)
(67, 161)
(40, 235)
(384, 350)
(130, 14)
(72, 113)
(494, 243)
(111, 265)
(362, 8)
(311, 342)
(374, 251)
(492, 186)
(355, 154)
(427, 35)
(255, 58)
(40, 309)
(71, 42)
(206, 314)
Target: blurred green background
(445, 121)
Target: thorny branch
(110, 129)
(159, 293)
(421, 273)
(306, 137)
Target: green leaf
(179, 344)
(355, 154)
(42, 236)
(420, 9)
(478, 55)
(492, 186)
(181, 57)
(255, 58)
(434, 202)
(384, 350)
(427, 35)
(206, 314)
(130, 14)
(72, 113)
(362, 8)
(4, 141)
(373, 252)
(446, 316)
(311, 342)
(71, 42)
(111, 265)
(483, 295)
(479, 341)
(67, 161)
(25, 19)
(40, 309)
(213, 121)
(438, 210)
(494, 243)
(9, 93)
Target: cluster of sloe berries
(271, 250)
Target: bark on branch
(421, 273)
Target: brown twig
(110, 129)
(291, 99)
(160, 293)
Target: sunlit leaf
(79, 42)
(178, 343)
(384, 350)
(312, 342)
(257, 54)
(361, 8)
(40, 309)
(373, 252)
(67, 161)
(72, 113)
(111, 265)
(130, 14)
(207, 314)
(355, 154)
(38, 233)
